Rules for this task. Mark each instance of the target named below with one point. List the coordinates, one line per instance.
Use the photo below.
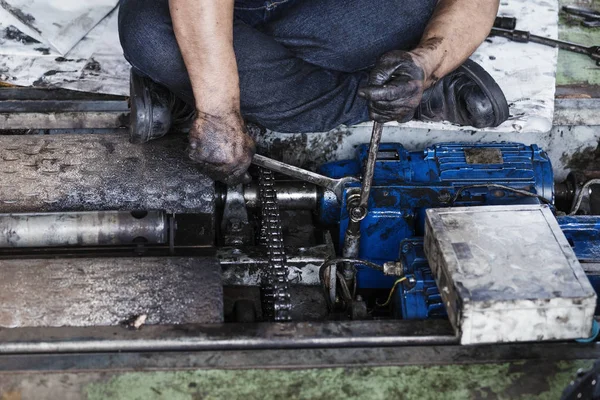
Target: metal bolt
(234, 224)
(444, 197)
(358, 214)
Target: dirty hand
(222, 147)
(395, 87)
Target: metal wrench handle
(370, 167)
(525, 37)
(335, 185)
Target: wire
(503, 187)
(335, 261)
(389, 299)
(581, 194)
(344, 286)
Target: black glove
(395, 88)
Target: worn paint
(109, 291)
(520, 380)
(60, 24)
(526, 73)
(495, 288)
(577, 69)
(100, 172)
(587, 158)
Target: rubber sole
(489, 87)
(150, 111)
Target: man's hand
(218, 138)
(399, 78)
(396, 86)
(222, 147)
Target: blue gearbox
(406, 183)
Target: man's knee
(149, 44)
(349, 36)
(146, 33)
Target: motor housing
(405, 184)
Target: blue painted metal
(421, 299)
(583, 233)
(406, 183)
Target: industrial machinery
(405, 184)
(159, 258)
(280, 243)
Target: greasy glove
(221, 146)
(395, 87)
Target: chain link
(276, 292)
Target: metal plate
(507, 273)
(483, 156)
(109, 291)
(100, 172)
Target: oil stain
(12, 33)
(25, 18)
(585, 159)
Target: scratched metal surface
(108, 291)
(99, 172)
(526, 72)
(507, 273)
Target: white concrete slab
(526, 72)
(59, 23)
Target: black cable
(334, 261)
(582, 193)
(497, 186)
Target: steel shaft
(335, 185)
(82, 228)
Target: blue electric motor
(421, 299)
(406, 183)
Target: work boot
(154, 110)
(469, 96)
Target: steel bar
(91, 228)
(248, 266)
(335, 185)
(534, 353)
(227, 337)
(290, 195)
(58, 173)
(65, 120)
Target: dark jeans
(300, 62)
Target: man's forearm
(454, 32)
(204, 31)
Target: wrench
(525, 37)
(335, 185)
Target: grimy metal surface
(290, 195)
(300, 358)
(109, 291)
(248, 266)
(228, 336)
(335, 185)
(84, 228)
(100, 172)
